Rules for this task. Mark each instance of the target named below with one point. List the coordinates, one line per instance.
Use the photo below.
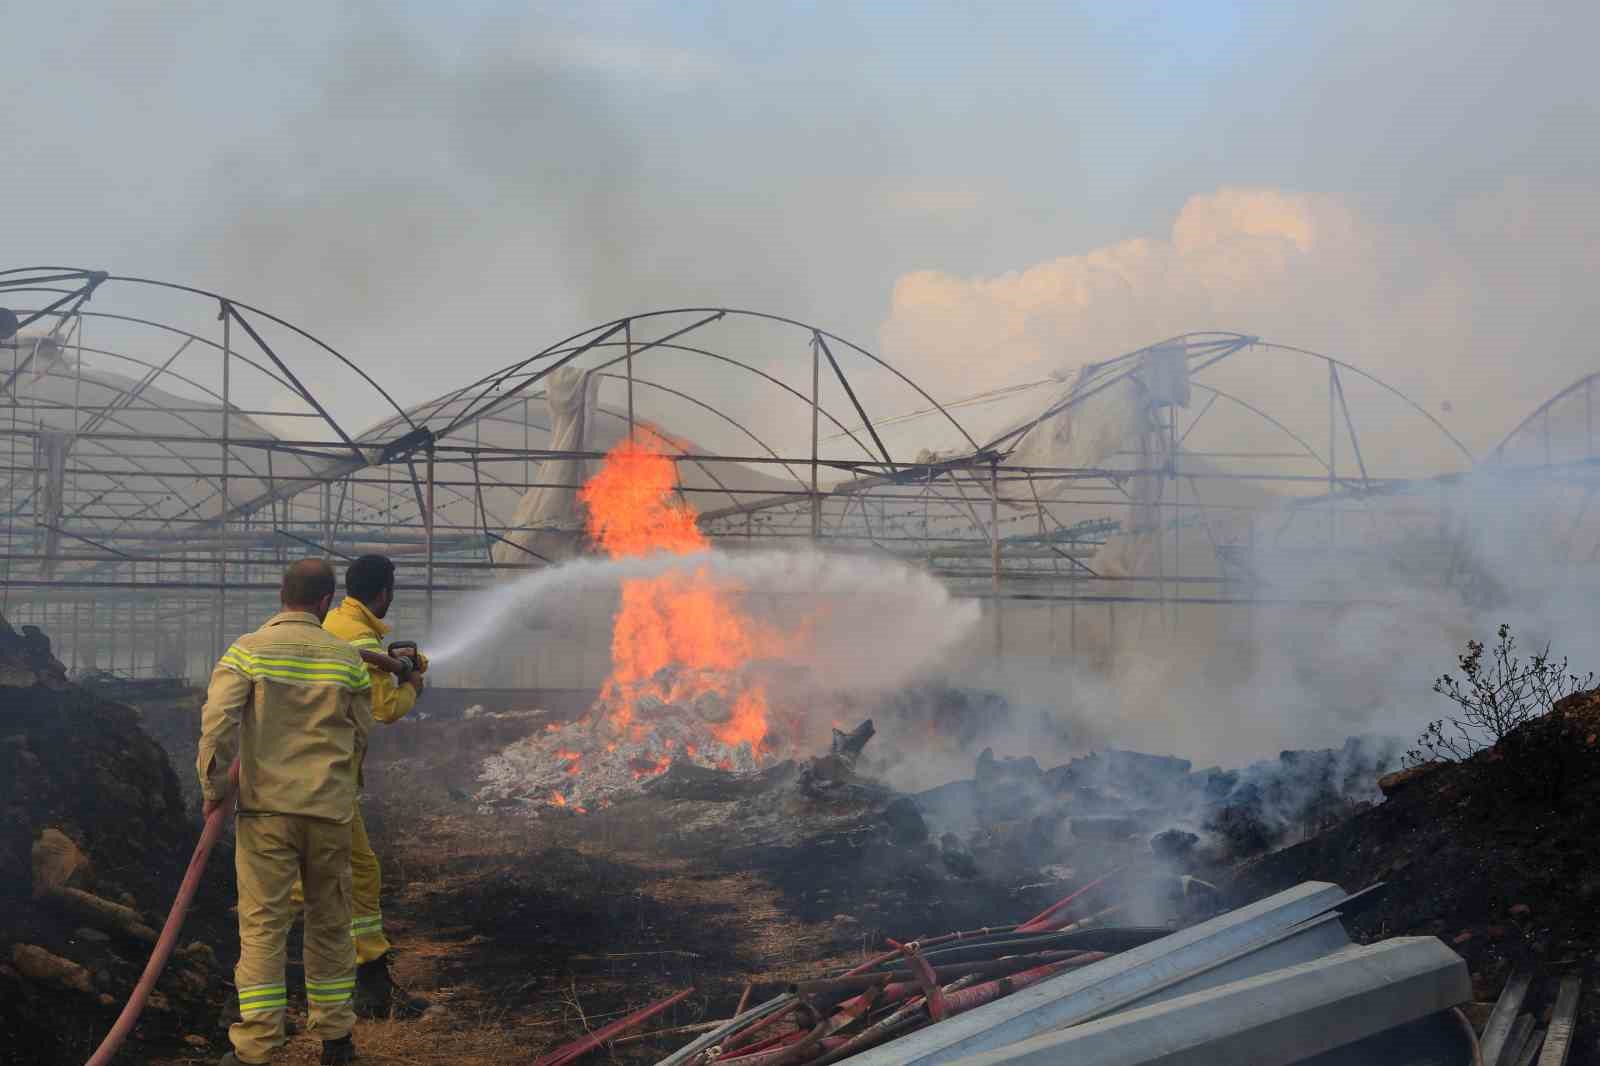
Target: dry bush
(1494, 698)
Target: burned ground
(1497, 856)
(530, 931)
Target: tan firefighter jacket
(293, 702)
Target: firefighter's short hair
(369, 577)
(306, 582)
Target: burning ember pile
(682, 683)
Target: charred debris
(1021, 886)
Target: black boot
(374, 996)
(231, 1059)
(377, 996)
(337, 1052)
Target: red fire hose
(1044, 916)
(169, 932)
(568, 1053)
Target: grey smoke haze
(1226, 688)
(989, 194)
(437, 190)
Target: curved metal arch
(1407, 400)
(498, 482)
(1543, 409)
(1235, 342)
(823, 411)
(166, 446)
(1305, 445)
(429, 409)
(568, 345)
(726, 418)
(100, 279)
(270, 317)
(742, 365)
(212, 491)
(119, 390)
(38, 279)
(1291, 434)
(269, 372)
(222, 411)
(1101, 376)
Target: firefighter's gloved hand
(422, 663)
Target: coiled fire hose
(169, 932)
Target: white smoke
(857, 624)
(1476, 314)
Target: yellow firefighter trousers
(271, 852)
(366, 884)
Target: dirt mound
(1496, 855)
(89, 801)
(172, 720)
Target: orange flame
(631, 512)
(684, 625)
(558, 799)
(747, 724)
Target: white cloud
(1487, 311)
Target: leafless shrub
(1493, 698)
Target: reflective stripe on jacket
(352, 621)
(293, 702)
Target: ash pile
(1014, 813)
(844, 846)
(614, 750)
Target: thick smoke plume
(1421, 574)
(509, 164)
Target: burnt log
(848, 745)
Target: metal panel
(1273, 1019)
(1081, 994)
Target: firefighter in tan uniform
(369, 588)
(293, 702)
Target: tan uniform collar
(365, 615)
(293, 616)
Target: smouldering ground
(531, 932)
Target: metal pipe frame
(173, 489)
